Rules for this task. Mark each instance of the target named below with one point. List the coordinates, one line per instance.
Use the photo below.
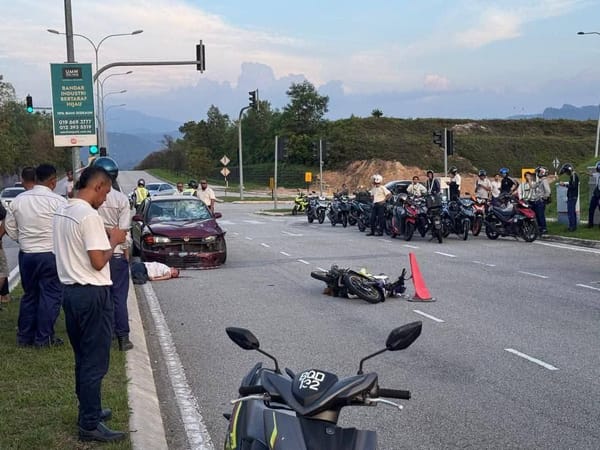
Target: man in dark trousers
(595, 200)
(29, 222)
(83, 249)
(572, 194)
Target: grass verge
(38, 406)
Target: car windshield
(11, 193)
(178, 210)
(153, 186)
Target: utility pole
(320, 167)
(240, 151)
(275, 173)
(75, 154)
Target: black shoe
(101, 433)
(54, 342)
(124, 343)
(370, 233)
(24, 344)
(105, 414)
(379, 233)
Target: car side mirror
(137, 218)
(218, 215)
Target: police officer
(140, 193)
(191, 189)
(380, 195)
(454, 183)
(433, 184)
(30, 223)
(83, 248)
(572, 193)
(115, 213)
(595, 200)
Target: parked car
(398, 186)
(160, 189)
(8, 194)
(179, 232)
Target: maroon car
(178, 231)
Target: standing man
(83, 248)
(595, 200)
(207, 195)
(179, 188)
(380, 195)
(454, 183)
(416, 189)
(433, 184)
(483, 186)
(496, 184)
(542, 197)
(140, 193)
(28, 177)
(572, 194)
(508, 185)
(30, 223)
(115, 214)
(69, 184)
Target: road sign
(556, 163)
(225, 171)
(225, 160)
(73, 115)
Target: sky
(427, 58)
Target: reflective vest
(141, 193)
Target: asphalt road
(508, 357)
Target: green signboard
(73, 105)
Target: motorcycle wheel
(438, 235)
(344, 220)
(446, 227)
(321, 216)
(352, 220)
(466, 227)
(409, 231)
(491, 234)
(476, 228)
(295, 210)
(361, 226)
(529, 230)
(310, 217)
(323, 275)
(360, 286)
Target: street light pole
(102, 102)
(598, 126)
(96, 47)
(101, 110)
(240, 151)
(105, 138)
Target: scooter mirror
(401, 337)
(243, 338)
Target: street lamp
(105, 137)
(598, 127)
(96, 48)
(101, 106)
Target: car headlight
(210, 239)
(151, 240)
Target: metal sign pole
(275, 175)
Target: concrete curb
(572, 241)
(145, 421)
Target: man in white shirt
(83, 248)
(207, 195)
(158, 271)
(29, 222)
(483, 186)
(69, 184)
(454, 183)
(380, 195)
(115, 213)
(416, 189)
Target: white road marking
(532, 274)
(284, 253)
(265, 245)
(446, 254)
(484, 264)
(530, 358)
(235, 233)
(320, 268)
(302, 261)
(292, 234)
(193, 424)
(226, 222)
(588, 287)
(249, 238)
(570, 247)
(254, 222)
(435, 319)
(410, 246)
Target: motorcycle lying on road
(513, 217)
(369, 287)
(300, 411)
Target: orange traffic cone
(421, 292)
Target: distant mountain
(568, 112)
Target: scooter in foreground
(290, 411)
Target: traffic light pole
(240, 151)
(445, 152)
(275, 174)
(321, 167)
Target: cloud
(435, 82)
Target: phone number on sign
(75, 124)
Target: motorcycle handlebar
(251, 390)
(394, 393)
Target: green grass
(38, 406)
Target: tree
(377, 113)
(304, 114)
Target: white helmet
(377, 178)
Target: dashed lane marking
(254, 222)
(292, 234)
(265, 245)
(532, 274)
(249, 238)
(435, 319)
(410, 246)
(302, 261)
(285, 254)
(484, 264)
(531, 358)
(588, 287)
(449, 255)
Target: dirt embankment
(358, 174)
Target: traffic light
(281, 148)
(253, 99)
(103, 151)
(438, 138)
(94, 150)
(314, 146)
(201, 66)
(29, 101)
(449, 142)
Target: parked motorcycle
(363, 219)
(300, 203)
(395, 215)
(480, 206)
(290, 411)
(312, 209)
(339, 210)
(416, 218)
(369, 287)
(513, 217)
(457, 216)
